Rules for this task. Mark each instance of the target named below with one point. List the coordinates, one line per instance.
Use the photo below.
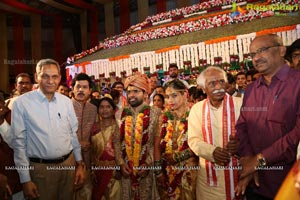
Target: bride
(175, 162)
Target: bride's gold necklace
(180, 115)
(176, 122)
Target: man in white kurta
(206, 117)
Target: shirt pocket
(278, 117)
(63, 124)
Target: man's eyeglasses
(261, 50)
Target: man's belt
(51, 161)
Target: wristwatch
(261, 160)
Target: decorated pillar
(143, 10)
(124, 15)
(36, 38)
(18, 43)
(109, 19)
(4, 75)
(57, 38)
(83, 28)
(161, 6)
(93, 28)
(183, 3)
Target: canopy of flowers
(134, 33)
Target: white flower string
(199, 51)
(207, 50)
(220, 51)
(196, 54)
(188, 52)
(294, 35)
(192, 54)
(211, 50)
(235, 47)
(203, 50)
(164, 61)
(289, 37)
(284, 37)
(215, 52)
(177, 55)
(167, 58)
(240, 49)
(298, 30)
(157, 59)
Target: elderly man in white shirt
(44, 128)
(211, 136)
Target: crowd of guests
(228, 137)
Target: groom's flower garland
(134, 151)
(166, 145)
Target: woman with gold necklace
(106, 176)
(175, 163)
